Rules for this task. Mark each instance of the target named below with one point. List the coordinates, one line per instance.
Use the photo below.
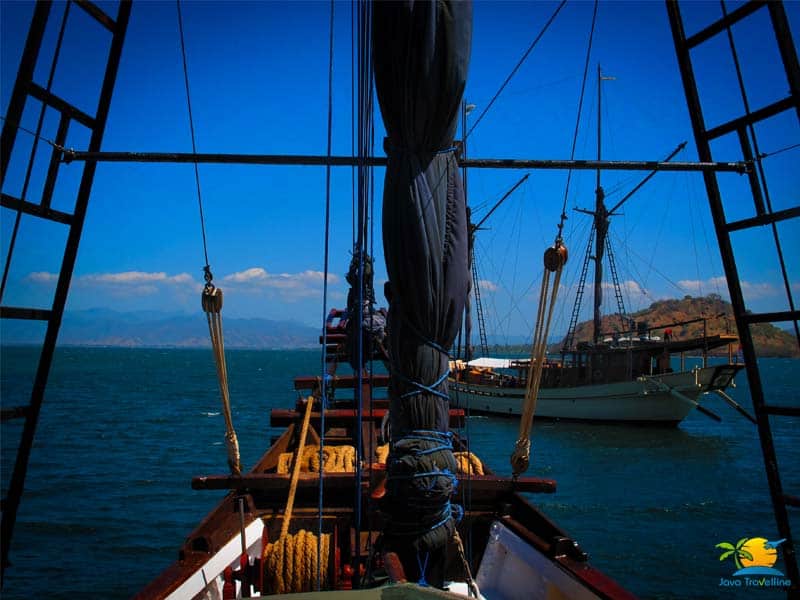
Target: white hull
(661, 399)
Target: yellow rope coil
(468, 463)
(336, 459)
(291, 563)
(382, 453)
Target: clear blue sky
(258, 72)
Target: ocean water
(122, 432)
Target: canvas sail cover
(421, 54)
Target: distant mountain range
(102, 327)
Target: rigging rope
(212, 305)
(555, 258)
(211, 298)
(516, 68)
(578, 119)
(323, 366)
(778, 151)
(207, 268)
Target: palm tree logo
(753, 556)
(738, 552)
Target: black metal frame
(764, 216)
(25, 88)
(380, 161)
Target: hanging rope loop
(212, 306)
(554, 260)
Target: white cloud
(125, 283)
(42, 277)
(288, 286)
(134, 278)
(254, 274)
(627, 287)
(753, 291)
(750, 290)
(487, 286)
(707, 285)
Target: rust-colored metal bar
(17, 480)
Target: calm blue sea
(123, 431)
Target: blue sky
(258, 73)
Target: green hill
(769, 340)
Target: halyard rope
(211, 296)
(554, 259)
(212, 305)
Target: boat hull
(655, 399)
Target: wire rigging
(516, 68)
(211, 297)
(207, 267)
(778, 151)
(323, 366)
(578, 119)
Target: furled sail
(421, 54)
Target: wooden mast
(601, 226)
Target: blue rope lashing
(443, 438)
(421, 387)
(431, 435)
(422, 569)
(458, 511)
(404, 528)
(443, 473)
(327, 390)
